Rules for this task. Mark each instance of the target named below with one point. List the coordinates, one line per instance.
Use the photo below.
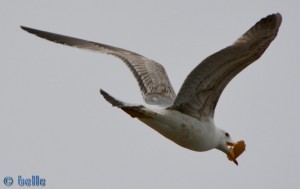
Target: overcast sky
(55, 124)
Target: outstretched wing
(150, 75)
(202, 88)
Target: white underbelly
(182, 129)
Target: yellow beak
(235, 150)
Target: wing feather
(150, 75)
(202, 88)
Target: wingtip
(26, 28)
(102, 92)
(23, 27)
(279, 17)
(275, 18)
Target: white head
(224, 144)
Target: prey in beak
(235, 150)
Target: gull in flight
(188, 118)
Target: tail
(112, 100)
(137, 111)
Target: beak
(235, 150)
(230, 144)
(231, 157)
(230, 154)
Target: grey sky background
(55, 124)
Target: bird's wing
(202, 88)
(150, 75)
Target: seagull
(188, 117)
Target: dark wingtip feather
(30, 30)
(273, 20)
(23, 27)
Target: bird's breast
(182, 129)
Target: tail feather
(112, 100)
(133, 110)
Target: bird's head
(232, 149)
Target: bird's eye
(227, 134)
